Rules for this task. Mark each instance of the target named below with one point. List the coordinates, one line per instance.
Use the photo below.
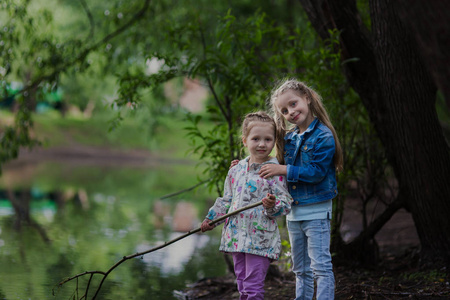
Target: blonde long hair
(317, 108)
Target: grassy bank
(163, 135)
(164, 142)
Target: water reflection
(173, 258)
(63, 221)
(19, 204)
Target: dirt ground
(395, 278)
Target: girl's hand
(269, 201)
(205, 225)
(234, 162)
(270, 170)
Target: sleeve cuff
(269, 212)
(292, 173)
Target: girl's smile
(260, 142)
(295, 109)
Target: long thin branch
(125, 258)
(185, 190)
(210, 83)
(90, 17)
(379, 222)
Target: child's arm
(221, 206)
(312, 172)
(281, 198)
(270, 170)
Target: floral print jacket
(255, 230)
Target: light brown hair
(259, 116)
(317, 109)
(250, 120)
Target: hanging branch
(84, 53)
(91, 19)
(125, 258)
(185, 190)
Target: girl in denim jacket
(311, 154)
(252, 236)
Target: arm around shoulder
(270, 170)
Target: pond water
(59, 219)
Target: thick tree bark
(428, 23)
(399, 93)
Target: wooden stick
(105, 274)
(235, 212)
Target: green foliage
(285, 259)
(238, 51)
(443, 114)
(238, 62)
(12, 138)
(238, 58)
(37, 48)
(428, 276)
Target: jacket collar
(255, 167)
(294, 132)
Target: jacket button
(296, 202)
(294, 187)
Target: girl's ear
(244, 141)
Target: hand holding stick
(269, 201)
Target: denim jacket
(311, 174)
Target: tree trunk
(428, 23)
(399, 94)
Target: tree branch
(428, 22)
(185, 190)
(90, 17)
(355, 41)
(317, 17)
(379, 222)
(208, 78)
(125, 258)
(80, 57)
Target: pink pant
(250, 273)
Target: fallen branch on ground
(105, 274)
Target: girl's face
(260, 141)
(295, 109)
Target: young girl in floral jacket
(252, 236)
